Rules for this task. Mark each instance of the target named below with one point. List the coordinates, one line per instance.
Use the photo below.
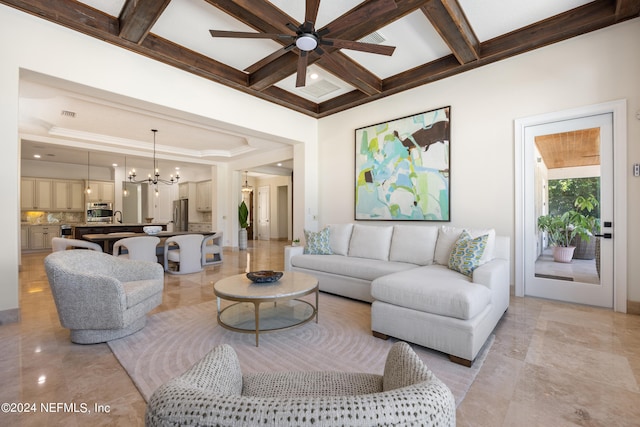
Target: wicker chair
(214, 392)
(100, 297)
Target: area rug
(173, 341)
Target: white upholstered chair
(212, 249)
(62, 244)
(184, 252)
(139, 248)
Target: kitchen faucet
(115, 214)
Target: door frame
(619, 110)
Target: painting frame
(402, 168)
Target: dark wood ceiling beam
(345, 27)
(626, 9)
(345, 68)
(581, 20)
(261, 16)
(138, 16)
(74, 15)
(450, 22)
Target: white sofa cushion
(339, 237)
(413, 244)
(433, 289)
(359, 268)
(371, 242)
(448, 236)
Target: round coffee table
(285, 310)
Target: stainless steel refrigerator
(181, 215)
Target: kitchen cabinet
(24, 237)
(68, 195)
(183, 190)
(35, 193)
(203, 196)
(199, 227)
(101, 191)
(40, 236)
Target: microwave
(99, 212)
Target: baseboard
(633, 307)
(9, 316)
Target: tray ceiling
(434, 39)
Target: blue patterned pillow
(317, 243)
(466, 253)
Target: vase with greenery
(243, 218)
(563, 229)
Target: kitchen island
(79, 230)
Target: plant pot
(242, 239)
(563, 254)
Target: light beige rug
(174, 340)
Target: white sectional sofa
(404, 271)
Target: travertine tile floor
(552, 364)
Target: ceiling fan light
(307, 42)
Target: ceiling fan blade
(307, 27)
(311, 11)
(243, 35)
(293, 27)
(380, 49)
(301, 77)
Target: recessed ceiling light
(115, 165)
(37, 156)
(279, 164)
(314, 76)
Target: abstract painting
(402, 168)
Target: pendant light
(88, 189)
(246, 188)
(125, 192)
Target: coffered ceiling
(434, 39)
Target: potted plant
(295, 242)
(243, 217)
(562, 229)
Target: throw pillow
(467, 252)
(317, 243)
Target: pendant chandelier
(155, 178)
(246, 188)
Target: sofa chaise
(444, 288)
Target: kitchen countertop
(117, 224)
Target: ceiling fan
(307, 38)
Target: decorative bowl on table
(152, 229)
(264, 276)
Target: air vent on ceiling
(67, 113)
(319, 89)
(373, 38)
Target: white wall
(591, 69)
(53, 50)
